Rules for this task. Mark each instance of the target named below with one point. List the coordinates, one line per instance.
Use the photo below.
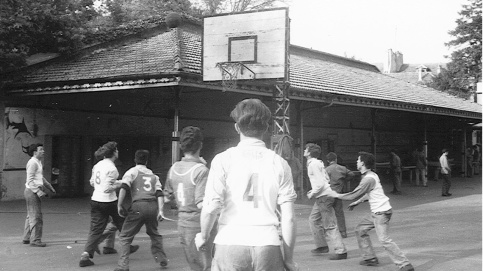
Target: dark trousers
(100, 213)
(142, 213)
(396, 180)
(446, 183)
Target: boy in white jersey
(146, 209)
(245, 184)
(370, 189)
(322, 219)
(103, 200)
(186, 182)
(35, 187)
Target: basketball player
(245, 185)
(370, 189)
(103, 200)
(186, 182)
(146, 209)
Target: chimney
(399, 61)
(390, 63)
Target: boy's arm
(288, 226)
(48, 185)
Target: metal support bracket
(281, 118)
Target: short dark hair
(444, 150)
(33, 148)
(252, 117)
(313, 149)
(107, 150)
(141, 157)
(331, 156)
(368, 159)
(190, 139)
(393, 150)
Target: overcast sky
(366, 29)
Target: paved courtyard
(437, 233)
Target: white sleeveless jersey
(378, 201)
(104, 174)
(249, 181)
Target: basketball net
(229, 74)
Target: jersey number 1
(251, 192)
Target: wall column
(2, 139)
(373, 133)
(175, 156)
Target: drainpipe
(425, 145)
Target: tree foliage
(464, 69)
(28, 27)
(220, 6)
(32, 26)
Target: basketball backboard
(257, 39)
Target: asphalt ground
(436, 233)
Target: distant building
(394, 66)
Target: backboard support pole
(281, 118)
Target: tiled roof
(180, 50)
(318, 75)
(150, 56)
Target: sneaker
(342, 256)
(163, 264)
(369, 262)
(407, 267)
(320, 250)
(343, 234)
(85, 261)
(25, 242)
(133, 249)
(38, 244)
(109, 250)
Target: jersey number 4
(251, 192)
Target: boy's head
(313, 150)
(252, 117)
(141, 157)
(366, 159)
(191, 139)
(33, 148)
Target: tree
(218, 6)
(125, 17)
(31, 26)
(464, 69)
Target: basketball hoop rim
(221, 65)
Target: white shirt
(246, 183)
(443, 160)
(104, 175)
(34, 174)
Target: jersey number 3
(251, 192)
(147, 184)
